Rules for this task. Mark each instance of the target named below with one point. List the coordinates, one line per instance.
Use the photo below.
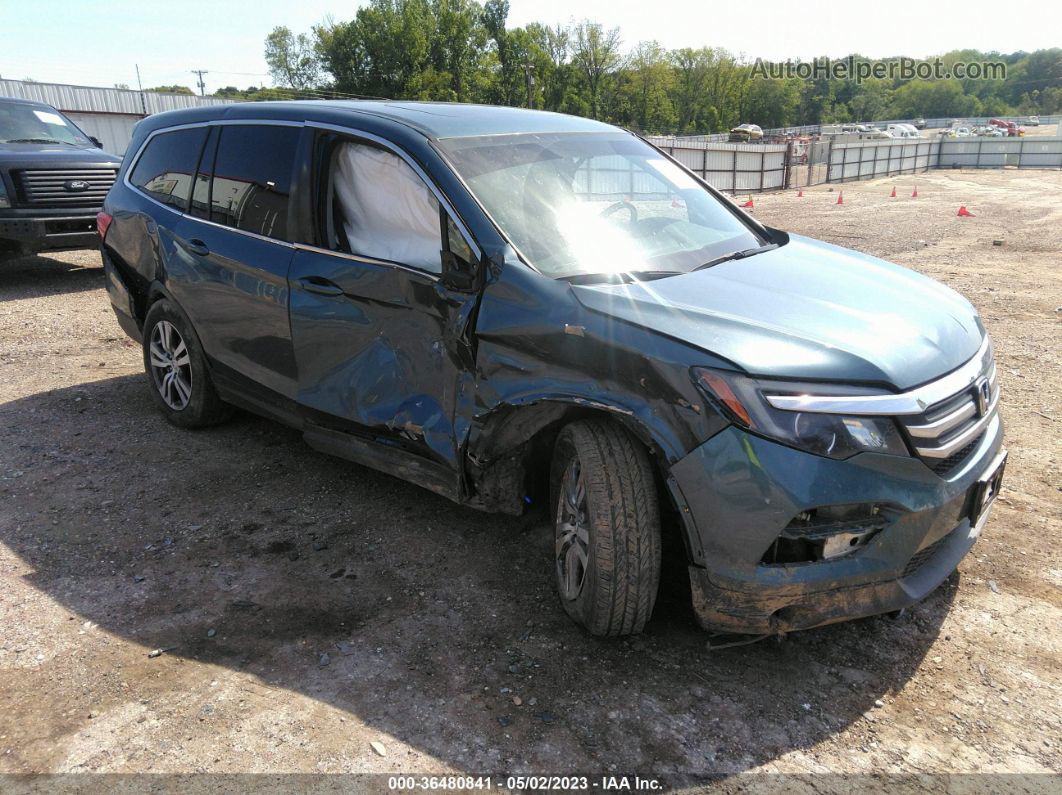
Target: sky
(100, 42)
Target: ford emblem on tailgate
(76, 185)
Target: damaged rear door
(381, 310)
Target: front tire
(606, 527)
(177, 371)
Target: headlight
(741, 399)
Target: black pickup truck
(53, 178)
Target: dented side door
(383, 353)
(380, 350)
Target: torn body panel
(741, 507)
(533, 374)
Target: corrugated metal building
(105, 113)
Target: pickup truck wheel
(177, 370)
(607, 528)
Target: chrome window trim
(174, 210)
(255, 235)
(441, 197)
(915, 401)
(367, 260)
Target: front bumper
(738, 492)
(36, 230)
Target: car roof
(21, 101)
(436, 120)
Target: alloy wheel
(171, 366)
(573, 532)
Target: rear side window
(252, 178)
(166, 167)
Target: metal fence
(739, 168)
(745, 168)
(816, 129)
(92, 99)
(869, 159)
(1033, 152)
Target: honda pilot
(514, 308)
(53, 178)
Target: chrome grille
(61, 187)
(946, 432)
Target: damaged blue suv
(514, 308)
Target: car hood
(44, 155)
(807, 310)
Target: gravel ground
(309, 607)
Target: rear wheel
(606, 526)
(177, 370)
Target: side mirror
(457, 273)
(96, 142)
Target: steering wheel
(613, 208)
(653, 226)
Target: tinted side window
(252, 178)
(165, 168)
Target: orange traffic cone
(749, 203)
(840, 197)
(893, 194)
(964, 213)
(800, 193)
(914, 195)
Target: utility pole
(202, 85)
(140, 87)
(530, 85)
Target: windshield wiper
(748, 252)
(622, 277)
(36, 141)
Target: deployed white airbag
(387, 210)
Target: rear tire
(606, 528)
(177, 371)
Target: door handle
(195, 246)
(320, 285)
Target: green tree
(772, 103)
(649, 87)
(292, 60)
(381, 50)
(551, 47)
(928, 98)
(170, 90)
(596, 53)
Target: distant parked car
(919, 124)
(1033, 121)
(468, 297)
(53, 178)
(902, 131)
(1009, 127)
(746, 133)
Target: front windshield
(34, 124)
(602, 203)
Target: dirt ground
(309, 607)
